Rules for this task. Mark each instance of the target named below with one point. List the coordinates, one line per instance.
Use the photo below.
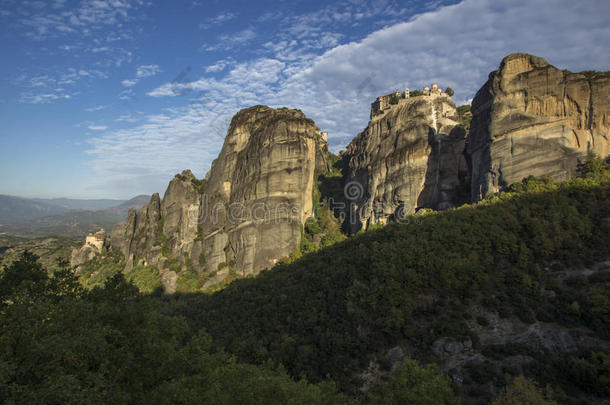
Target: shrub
(414, 384)
(522, 391)
(146, 278)
(481, 320)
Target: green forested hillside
(352, 312)
(410, 284)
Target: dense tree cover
(329, 313)
(63, 344)
(414, 385)
(412, 283)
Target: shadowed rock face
(410, 157)
(531, 118)
(259, 190)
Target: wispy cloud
(129, 83)
(84, 29)
(44, 98)
(96, 108)
(335, 87)
(126, 95)
(243, 81)
(53, 19)
(130, 117)
(97, 127)
(147, 71)
(141, 73)
(46, 88)
(134, 159)
(219, 65)
(217, 20)
(229, 41)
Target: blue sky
(111, 98)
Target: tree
(522, 391)
(62, 344)
(449, 91)
(414, 384)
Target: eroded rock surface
(259, 190)
(163, 232)
(248, 212)
(531, 118)
(409, 157)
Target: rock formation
(409, 156)
(531, 118)
(95, 243)
(245, 216)
(163, 233)
(528, 119)
(259, 190)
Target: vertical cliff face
(259, 190)
(531, 118)
(409, 157)
(163, 232)
(245, 216)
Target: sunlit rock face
(409, 156)
(248, 214)
(531, 118)
(163, 231)
(259, 190)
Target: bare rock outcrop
(259, 190)
(163, 233)
(248, 212)
(531, 118)
(410, 156)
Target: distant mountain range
(62, 216)
(73, 204)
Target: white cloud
(129, 83)
(438, 47)
(46, 88)
(456, 46)
(217, 20)
(141, 73)
(86, 19)
(97, 127)
(126, 94)
(136, 158)
(229, 41)
(128, 118)
(43, 98)
(96, 108)
(147, 71)
(219, 65)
